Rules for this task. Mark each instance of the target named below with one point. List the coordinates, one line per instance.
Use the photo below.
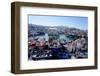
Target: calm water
(61, 37)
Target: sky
(68, 21)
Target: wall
(5, 33)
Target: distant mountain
(40, 29)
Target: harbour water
(60, 37)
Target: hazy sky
(69, 21)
